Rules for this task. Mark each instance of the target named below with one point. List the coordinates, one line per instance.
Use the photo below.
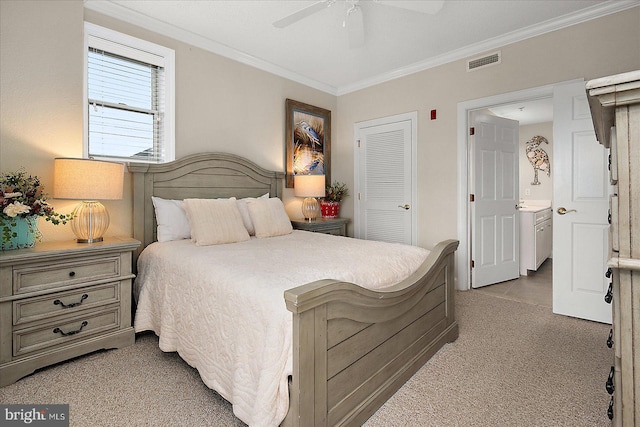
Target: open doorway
(580, 189)
(533, 284)
(463, 254)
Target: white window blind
(128, 114)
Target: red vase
(330, 209)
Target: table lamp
(309, 187)
(88, 180)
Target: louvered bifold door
(385, 161)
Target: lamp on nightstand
(90, 181)
(309, 187)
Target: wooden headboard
(203, 176)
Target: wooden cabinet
(60, 300)
(615, 108)
(335, 226)
(536, 237)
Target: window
(129, 92)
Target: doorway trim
(463, 255)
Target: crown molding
(135, 18)
(476, 49)
(124, 14)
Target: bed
(348, 348)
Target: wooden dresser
(60, 300)
(615, 108)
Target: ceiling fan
(353, 20)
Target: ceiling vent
(485, 61)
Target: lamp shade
(309, 185)
(86, 179)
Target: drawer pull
(72, 273)
(609, 296)
(66, 334)
(609, 385)
(610, 339)
(73, 304)
(610, 409)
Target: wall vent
(485, 61)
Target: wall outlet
(527, 191)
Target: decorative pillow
(269, 217)
(171, 219)
(215, 221)
(244, 211)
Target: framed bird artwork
(538, 158)
(308, 140)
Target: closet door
(385, 179)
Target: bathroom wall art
(538, 158)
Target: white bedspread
(222, 307)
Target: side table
(335, 226)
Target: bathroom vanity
(536, 236)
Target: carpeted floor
(514, 364)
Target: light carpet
(514, 364)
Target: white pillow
(171, 219)
(215, 221)
(244, 211)
(269, 217)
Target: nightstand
(60, 300)
(335, 226)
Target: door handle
(563, 211)
(405, 207)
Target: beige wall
(597, 48)
(41, 74)
(544, 191)
(222, 105)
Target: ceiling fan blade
(430, 6)
(355, 27)
(303, 13)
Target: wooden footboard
(353, 348)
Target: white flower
(10, 195)
(15, 209)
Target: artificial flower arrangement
(330, 203)
(21, 196)
(336, 192)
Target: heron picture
(308, 140)
(538, 158)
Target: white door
(581, 187)
(495, 218)
(385, 179)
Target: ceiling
(526, 113)
(315, 50)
